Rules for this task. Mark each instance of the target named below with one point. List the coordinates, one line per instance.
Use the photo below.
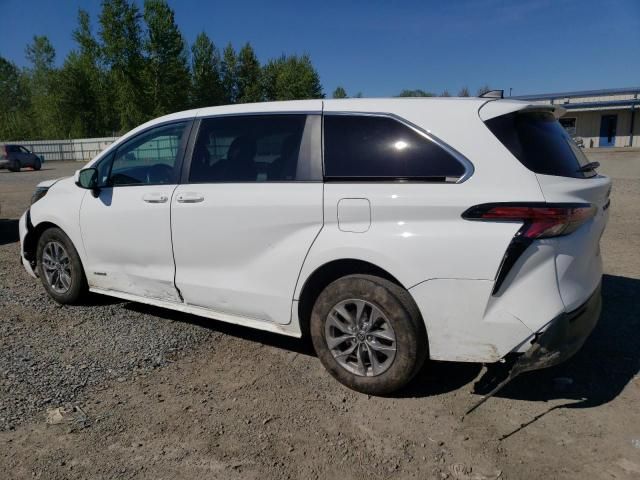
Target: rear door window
(251, 148)
(363, 147)
(540, 143)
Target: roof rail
(492, 94)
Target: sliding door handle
(189, 197)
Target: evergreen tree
(15, 118)
(40, 54)
(43, 84)
(114, 82)
(121, 51)
(339, 92)
(87, 44)
(76, 99)
(167, 66)
(206, 89)
(230, 74)
(85, 110)
(291, 78)
(248, 76)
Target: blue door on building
(608, 130)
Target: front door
(126, 229)
(248, 213)
(608, 130)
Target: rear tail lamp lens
(539, 220)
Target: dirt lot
(156, 394)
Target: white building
(602, 118)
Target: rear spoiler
(497, 108)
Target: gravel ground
(120, 390)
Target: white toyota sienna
(388, 230)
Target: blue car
(14, 157)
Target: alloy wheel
(56, 266)
(360, 337)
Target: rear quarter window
(361, 147)
(540, 143)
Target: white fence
(79, 150)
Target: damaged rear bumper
(563, 337)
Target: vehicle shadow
(607, 362)
(434, 378)
(9, 231)
(284, 342)
(598, 372)
(98, 300)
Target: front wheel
(59, 267)
(368, 333)
(37, 164)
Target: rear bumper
(564, 336)
(4, 164)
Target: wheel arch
(30, 244)
(329, 272)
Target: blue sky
(380, 47)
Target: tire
(37, 164)
(59, 267)
(391, 307)
(14, 166)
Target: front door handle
(155, 198)
(189, 197)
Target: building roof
(582, 93)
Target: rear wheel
(368, 333)
(59, 267)
(14, 166)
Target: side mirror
(88, 178)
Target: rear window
(361, 147)
(540, 143)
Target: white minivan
(388, 230)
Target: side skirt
(291, 329)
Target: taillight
(539, 220)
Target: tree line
(137, 67)
(340, 92)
